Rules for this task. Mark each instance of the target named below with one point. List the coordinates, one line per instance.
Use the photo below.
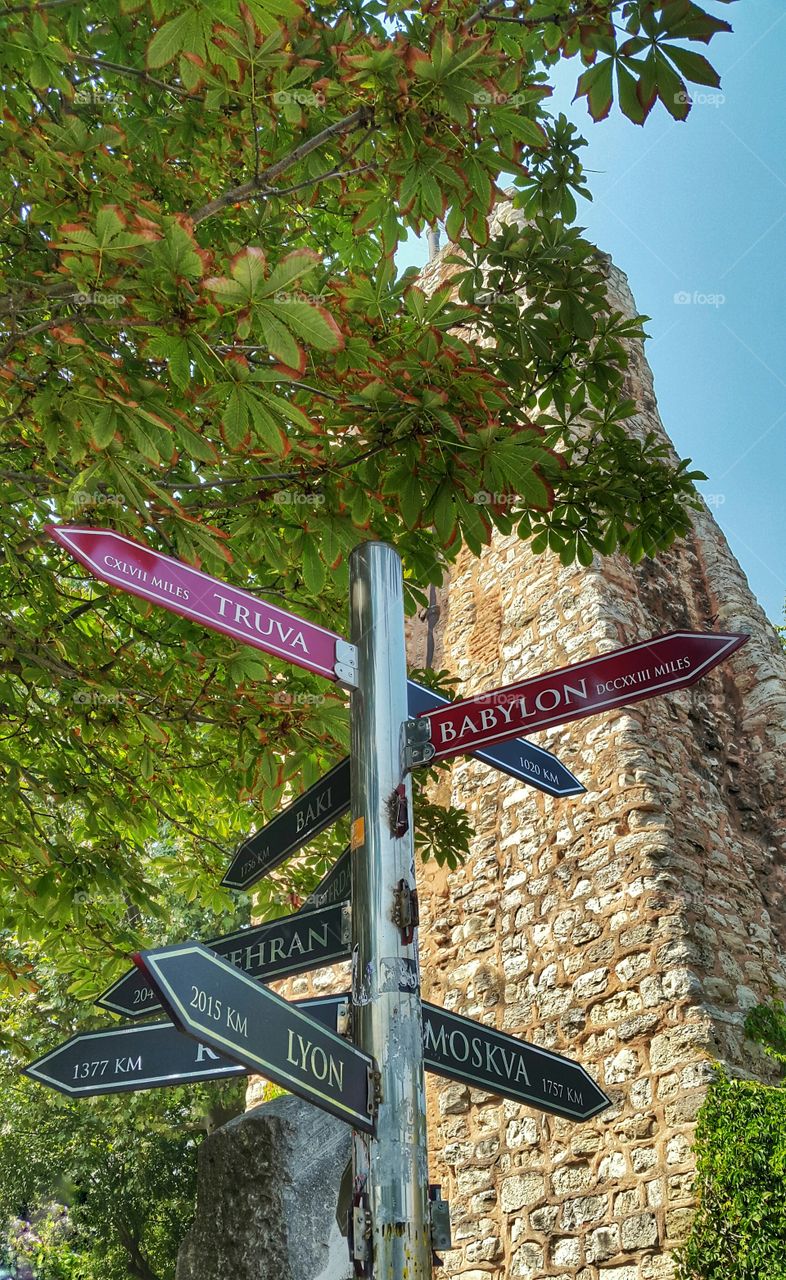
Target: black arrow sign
(463, 1049)
(121, 1059)
(304, 819)
(290, 945)
(214, 1002)
(336, 886)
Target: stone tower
(629, 928)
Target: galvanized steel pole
(390, 1171)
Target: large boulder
(267, 1195)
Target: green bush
(739, 1230)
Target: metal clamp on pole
(406, 913)
(344, 1020)
(346, 664)
(374, 1090)
(346, 923)
(359, 1235)
(439, 1210)
(418, 749)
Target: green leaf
(313, 324)
(313, 568)
(234, 419)
(170, 39)
(694, 66)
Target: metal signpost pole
(391, 1226)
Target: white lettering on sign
(97, 1068)
(671, 668)
(629, 681)
(309, 816)
(482, 719)
(240, 614)
(269, 950)
(483, 1053)
(313, 1061)
(162, 584)
(122, 566)
(203, 1051)
(236, 1023)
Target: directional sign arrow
(120, 1059)
(317, 808)
(123, 1058)
(463, 1049)
(130, 565)
(518, 758)
(289, 945)
(336, 886)
(614, 679)
(214, 1002)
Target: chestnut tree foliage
(205, 343)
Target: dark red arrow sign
(614, 679)
(124, 563)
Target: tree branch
(94, 60)
(31, 8)
(359, 119)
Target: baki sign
(312, 812)
(619, 678)
(162, 580)
(279, 948)
(214, 1002)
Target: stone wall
(630, 928)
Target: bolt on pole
(390, 1170)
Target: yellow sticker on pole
(358, 833)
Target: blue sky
(698, 210)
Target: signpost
(232, 1023)
(155, 1054)
(624, 676)
(122, 562)
(277, 949)
(211, 1000)
(300, 822)
(463, 1049)
(392, 1237)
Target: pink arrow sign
(124, 563)
(615, 679)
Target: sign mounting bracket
(418, 749)
(346, 664)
